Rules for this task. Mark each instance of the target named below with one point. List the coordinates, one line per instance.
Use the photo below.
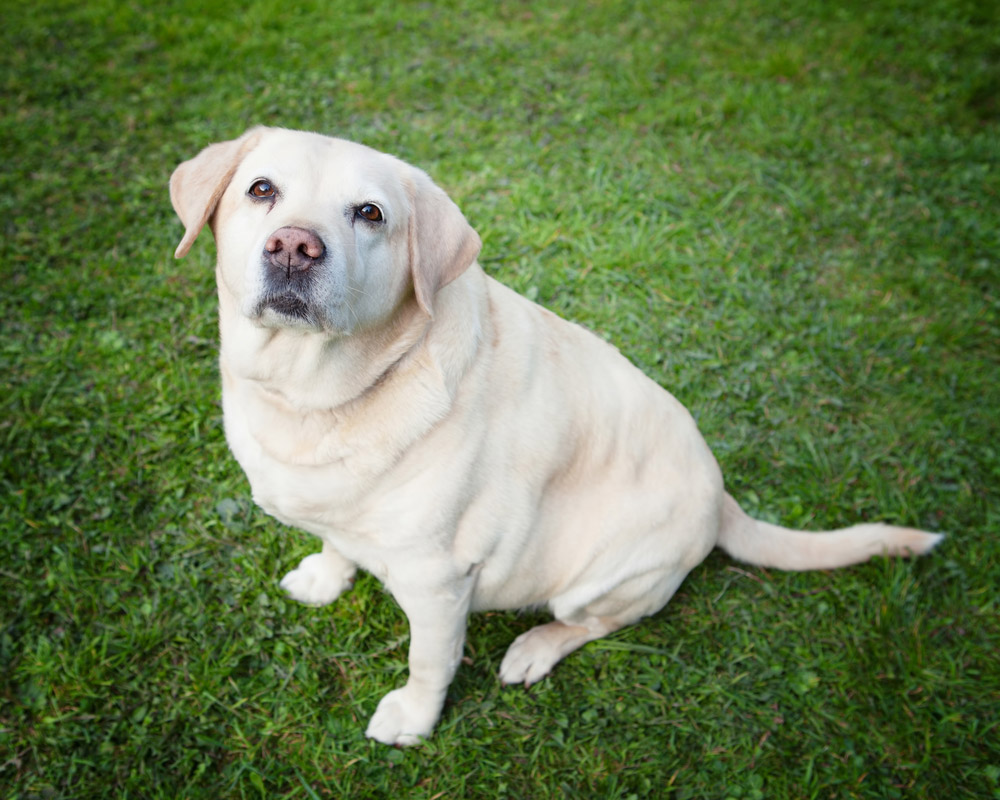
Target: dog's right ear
(197, 185)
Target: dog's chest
(296, 475)
(302, 496)
(314, 472)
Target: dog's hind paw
(529, 659)
(533, 654)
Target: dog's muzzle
(291, 258)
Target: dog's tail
(766, 545)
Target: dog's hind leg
(533, 654)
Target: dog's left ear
(441, 241)
(197, 185)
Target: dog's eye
(262, 189)
(370, 212)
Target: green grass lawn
(787, 213)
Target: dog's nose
(293, 249)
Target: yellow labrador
(465, 446)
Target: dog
(465, 446)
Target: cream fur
(465, 446)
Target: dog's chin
(286, 311)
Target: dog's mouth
(287, 307)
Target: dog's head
(318, 233)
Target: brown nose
(293, 249)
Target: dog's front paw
(405, 716)
(319, 579)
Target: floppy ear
(197, 185)
(442, 243)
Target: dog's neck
(328, 372)
(321, 372)
(323, 400)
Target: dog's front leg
(437, 634)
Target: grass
(786, 213)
